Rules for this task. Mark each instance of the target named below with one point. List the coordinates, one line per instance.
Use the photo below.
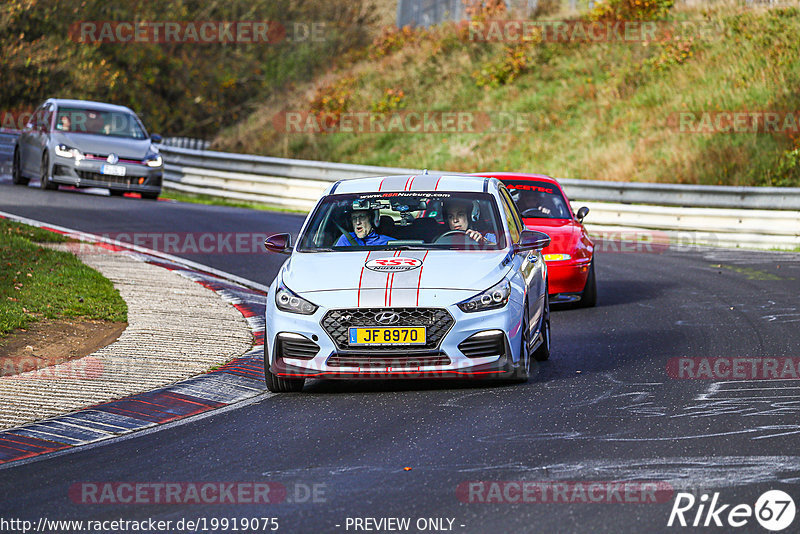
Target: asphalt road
(604, 408)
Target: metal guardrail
(186, 142)
(288, 183)
(752, 217)
(705, 196)
(7, 140)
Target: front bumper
(87, 173)
(306, 336)
(567, 277)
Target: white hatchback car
(408, 277)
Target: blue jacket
(371, 240)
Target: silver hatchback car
(88, 144)
(428, 276)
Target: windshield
(538, 200)
(90, 121)
(404, 220)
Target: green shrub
(515, 60)
(393, 99)
(620, 10)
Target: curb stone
(105, 418)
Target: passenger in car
(461, 215)
(364, 234)
(64, 124)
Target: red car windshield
(538, 200)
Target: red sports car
(570, 258)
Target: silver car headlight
(286, 300)
(68, 152)
(494, 297)
(154, 160)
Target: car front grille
(482, 346)
(403, 360)
(109, 179)
(437, 322)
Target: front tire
(45, 182)
(150, 196)
(542, 352)
(277, 384)
(589, 295)
(521, 373)
(16, 171)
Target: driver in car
(458, 213)
(364, 234)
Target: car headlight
(68, 152)
(154, 160)
(557, 257)
(286, 300)
(494, 297)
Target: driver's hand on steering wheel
(475, 235)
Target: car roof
(88, 104)
(519, 176)
(415, 182)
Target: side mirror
(156, 138)
(281, 243)
(583, 212)
(532, 240)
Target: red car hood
(563, 233)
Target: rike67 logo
(774, 510)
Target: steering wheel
(455, 236)
(536, 211)
(450, 235)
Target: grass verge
(39, 283)
(215, 201)
(595, 110)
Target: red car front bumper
(567, 276)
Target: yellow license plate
(414, 335)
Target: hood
(563, 233)
(125, 148)
(396, 271)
